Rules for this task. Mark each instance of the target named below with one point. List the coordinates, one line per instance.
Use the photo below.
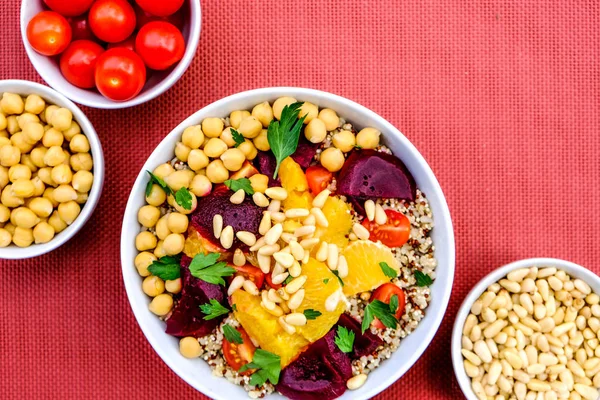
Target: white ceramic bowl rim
(52, 96)
(415, 344)
(94, 99)
(572, 269)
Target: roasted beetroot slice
(305, 152)
(266, 165)
(371, 174)
(186, 318)
(364, 344)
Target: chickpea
(9, 199)
(4, 213)
(227, 137)
(49, 113)
(216, 172)
(82, 181)
(201, 186)
(145, 241)
(69, 211)
(189, 347)
(161, 305)
(19, 171)
(315, 131)
(193, 137)
(3, 122)
(11, 104)
(197, 159)
(43, 233)
(73, 130)
(4, 140)
(54, 156)
(61, 174)
(177, 223)
(12, 125)
(38, 186)
(23, 237)
(344, 140)
(248, 149)
(173, 286)
(34, 104)
(309, 111)
(57, 223)
(9, 155)
(264, 113)
(64, 193)
(33, 132)
(79, 144)
(81, 162)
(280, 103)
(23, 188)
(5, 238)
(61, 119)
(332, 159)
(179, 179)
(212, 127)
(23, 217)
(259, 182)
(26, 161)
(52, 137)
(3, 177)
(174, 243)
(215, 147)
(233, 159)
(10, 228)
(178, 208)
(41, 206)
(18, 140)
(162, 227)
(153, 286)
(368, 138)
(163, 170)
(261, 142)
(26, 118)
(142, 261)
(182, 151)
(45, 174)
(37, 156)
(159, 251)
(236, 117)
(81, 198)
(148, 216)
(156, 197)
(250, 127)
(330, 118)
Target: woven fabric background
(500, 96)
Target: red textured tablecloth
(501, 97)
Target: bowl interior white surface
(196, 372)
(158, 83)
(53, 97)
(575, 270)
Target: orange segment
(195, 243)
(337, 212)
(364, 272)
(298, 200)
(292, 177)
(265, 329)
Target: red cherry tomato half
(252, 273)
(160, 44)
(270, 283)
(143, 17)
(384, 293)
(69, 8)
(160, 8)
(78, 63)
(49, 33)
(81, 28)
(318, 178)
(120, 74)
(128, 43)
(394, 233)
(112, 20)
(238, 355)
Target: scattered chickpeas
(315, 131)
(179, 179)
(332, 159)
(197, 159)
(5, 238)
(212, 127)
(248, 149)
(173, 286)
(61, 119)
(215, 147)
(161, 305)
(11, 104)
(216, 172)
(280, 103)
(193, 137)
(142, 261)
(264, 113)
(259, 182)
(344, 140)
(182, 151)
(69, 211)
(368, 138)
(261, 142)
(200, 186)
(250, 127)
(145, 241)
(153, 286)
(236, 117)
(34, 104)
(174, 243)
(233, 159)
(156, 197)
(162, 227)
(309, 111)
(148, 216)
(43, 233)
(177, 223)
(330, 118)
(163, 170)
(23, 237)
(189, 347)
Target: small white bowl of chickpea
(51, 169)
(527, 328)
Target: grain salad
(287, 249)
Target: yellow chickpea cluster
(45, 170)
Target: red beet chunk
(266, 165)
(371, 174)
(187, 319)
(364, 344)
(305, 152)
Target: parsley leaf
(234, 307)
(156, 180)
(213, 309)
(206, 267)
(380, 310)
(232, 335)
(183, 197)
(326, 281)
(166, 268)
(394, 304)
(312, 314)
(237, 184)
(238, 138)
(283, 135)
(422, 279)
(337, 274)
(288, 279)
(268, 367)
(387, 270)
(344, 339)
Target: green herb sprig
(158, 181)
(344, 339)
(380, 310)
(232, 335)
(312, 314)
(268, 366)
(422, 279)
(213, 309)
(238, 138)
(283, 135)
(166, 268)
(387, 270)
(206, 267)
(237, 184)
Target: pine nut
(538, 385)
(280, 278)
(360, 231)
(297, 250)
(332, 256)
(352, 237)
(217, 225)
(265, 223)
(482, 351)
(296, 319)
(310, 220)
(521, 376)
(247, 238)
(273, 296)
(293, 213)
(511, 286)
(308, 244)
(273, 234)
(546, 272)
(494, 372)
(235, 285)
(277, 269)
(575, 368)
(320, 218)
(264, 263)
(466, 343)
(582, 286)
(295, 270)
(520, 390)
(514, 360)
(250, 287)
(286, 327)
(239, 258)
(274, 206)
(285, 259)
(260, 199)
(296, 284)
(494, 328)
(259, 243)
(266, 303)
(332, 301)
(277, 193)
(478, 390)
(587, 392)
(305, 230)
(288, 237)
(296, 299)
(370, 209)
(555, 283)
(518, 274)
(238, 197)
(277, 217)
(278, 312)
(321, 198)
(227, 237)
(471, 370)
(268, 249)
(470, 322)
(562, 329)
(342, 267)
(380, 215)
(528, 285)
(536, 369)
(356, 381)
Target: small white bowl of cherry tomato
(111, 53)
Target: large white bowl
(52, 96)
(157, 84)
(196, 372)
(575, 270)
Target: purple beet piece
(364, 344)
(266, 165)
(371, 174)
(320, 373)
(305, 152)
(187, 319)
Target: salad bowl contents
(288, 249)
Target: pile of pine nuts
(534, 336)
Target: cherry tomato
(238, 355)
(384, 293)
(143, 17)
(160, 8)
(128, 43)
(270, 283)
(160, 44)
(252, 273)
(49, 33)
(69, 8)
(318, 178)
(78, 63)
(81, 28)
(120, 74)
(112, 20)
(394, 233)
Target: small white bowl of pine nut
(530, 330)
(51, 169)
